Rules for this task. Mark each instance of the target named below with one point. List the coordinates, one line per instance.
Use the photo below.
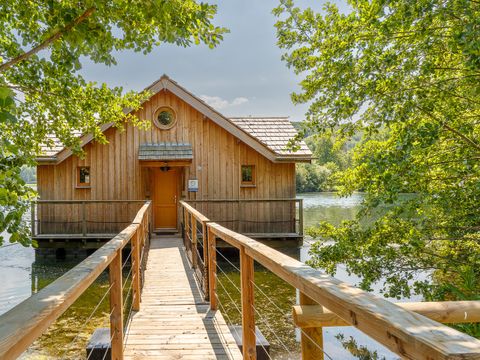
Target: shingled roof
(273, 132)
(268, 135)
(165, 151)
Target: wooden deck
(174, 321)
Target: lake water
(329, 207)
(275, 298)
(21, 276)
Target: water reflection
(329, 207)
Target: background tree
(329, 158)
(407, 75)
(42, 44)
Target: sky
(242, 76)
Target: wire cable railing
(226, 313)
(96, 345)
(43, 308)
(263, 319)
(69, 346)
(266, 323)
(324, 300)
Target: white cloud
(219, 103)
(239, 101)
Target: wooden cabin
(237, 171)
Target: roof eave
(46, 160)
(293, 159)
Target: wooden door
(165, 195)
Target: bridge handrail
(404, 332)
(23, 324)
(197, 214)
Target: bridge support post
(212, 270)
(136, 243)
(248, 310)
(116, 306)
(311, 338)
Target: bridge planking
(174, 321)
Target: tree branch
(57, 35)
(466, 139)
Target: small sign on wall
(193, 185)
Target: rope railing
(23, 324)
(325, 300)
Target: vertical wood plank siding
(117, 174)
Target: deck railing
(82, 218)
(194, 236)
(23, 324)
(409, 330)
(255, 217)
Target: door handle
(175, 199)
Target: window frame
(161, 126)
(251, 183)
(83, 185)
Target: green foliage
(405, 75)
(360, 352)
(42, 46)
(312, 178)
(329, 157)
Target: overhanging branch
(57, 35)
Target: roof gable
(262, 135)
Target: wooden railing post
(84, 218)
(311, 338)
(248, 313)
(240, 217)
(300, 216)
(116, 306)
(136, 243)
(183, 223)
(205, 260)
(150, 222)
(193, 223)
(33, 218)
(212, 270)
(185, 228)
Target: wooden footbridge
(174, 321)
(175, 305)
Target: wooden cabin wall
(116, 173)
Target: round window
(164, 118)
